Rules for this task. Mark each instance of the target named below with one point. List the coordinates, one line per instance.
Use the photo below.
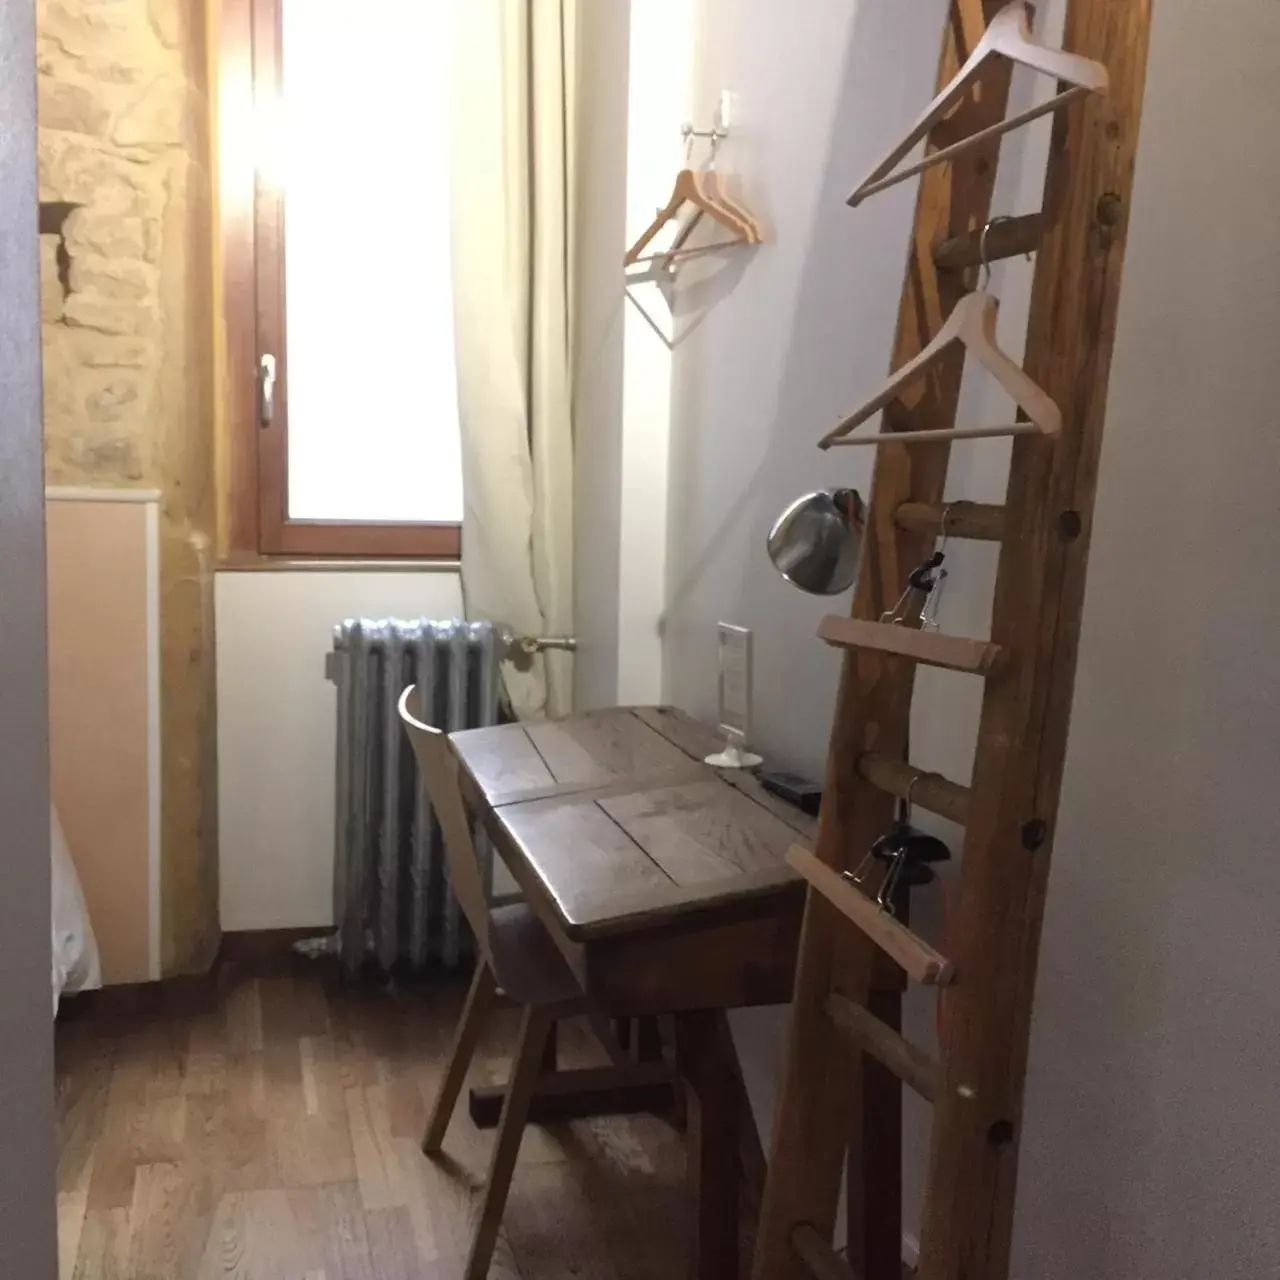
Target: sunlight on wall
(661, 44)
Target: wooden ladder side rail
(843, 1099)
(968, 1215)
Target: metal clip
(920, 601)
(908, 855)
(920, 586)
(929, 613)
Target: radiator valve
(521, 649)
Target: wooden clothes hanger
(704, 189)
(972, 322)
(713, 186)
(1009, 35)
(690, 189)
(714, 180)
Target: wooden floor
(274, 1133)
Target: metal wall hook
(715, 135)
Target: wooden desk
(663, 882)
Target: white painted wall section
(661, 41)
(776, 343)
(277, 727)
(1152, 1106)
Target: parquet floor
(273, 1135)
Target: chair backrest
(439, 767)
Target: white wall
(1153, 1110)
(631, 106)
(773, 343)
(597, 408)
(276, 730)
(660, 46)
(1150, 1130)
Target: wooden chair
(516, 956)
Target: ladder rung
(929, 790)
(907, 1061)
(978, 520)
(823, 1261)
(917, 958)
(955, 653)
(1006, 239)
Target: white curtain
(512, 189)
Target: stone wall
(125, 256)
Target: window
(345, 439)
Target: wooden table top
(621, 824)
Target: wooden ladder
(847, 1058)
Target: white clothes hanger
(1009, 36)
(972, 323)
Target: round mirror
(817, 541)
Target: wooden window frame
(251, 242)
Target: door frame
(28, 1189)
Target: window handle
(267, 389)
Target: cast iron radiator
(392, 901)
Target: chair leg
(465, 1038)
(535, 1023)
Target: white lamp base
(733, 757)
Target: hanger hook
(985, 280)
(942, 524)
(686, 132)
(916, 776)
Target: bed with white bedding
(75, 950)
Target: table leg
(648, 1040)
(551, 1051)
(703, 1057)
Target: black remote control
(794, 789)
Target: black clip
(908, 855)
